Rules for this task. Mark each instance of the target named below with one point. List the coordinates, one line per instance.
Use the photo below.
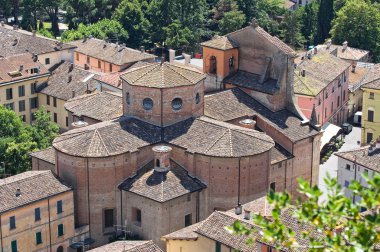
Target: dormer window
(212, 65)
(231, 62)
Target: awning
(329, 131)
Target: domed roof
(162, 75)
(197, 135)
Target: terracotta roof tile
(234, 103)
(251, 81)
(64, 81)
(13, 42)
(350, 53)
(221, 42)
(162, 76)
(47, 155)
(128, 246)
(162, 186)
(33, 185)
(101, 106)
(113, 53)
(371, 161)
(320, 70)
(372, 79)
(14, 63)
(279, 154)
(187, 233)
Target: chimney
(79, 124)
(248, 123)
(71, 67)
(21, 68)
(247, 214)
(328, 44)
(72, 94)
(162, 155)
(33, 33)
(315, 50)
(171, 56)
(70, 79)
(162, 60)
(15, 41)
(187, 58)
(303, 72)
(371, 149)
(142, 49)
(15, 27)
(238, 209)
(345, 44)
(18, 192)
(119, 82)
(2, 23)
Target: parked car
(347, 128)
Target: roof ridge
(217, 140)
(42, 173)
(101, 139)
(171, 68)
(153, 67)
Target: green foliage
(130, 14)
(231, 21)
(291, 30)
(358, 22)
(178, 36)
(338, 221)
(45, 33)
(325, 16)
(17, 139)
(104, 29)
(308, 21)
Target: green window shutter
(38, 238)
(218, 247)
(14, 246)
(60, 229)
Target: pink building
(321, 80)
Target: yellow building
(36, 213)
(371, 111)
(19, 77)
(66, 81)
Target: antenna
(123, 229)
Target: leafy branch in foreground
(337, 224)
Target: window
(344, 77)
(197, 98)
(333, 89)
(9, 106)
(326, 94)
(136, 216)
(37, 214)
(158, 163)
(67, 121)
(339, 83)
(60, 249)
(14, 246)
(99, 64)
(128, 98)
(189, 197)
(231, 62)
(148, 104)
(59, 207)
(110, 67)
(47, 61)
(32, 116)
(212, 65)
(34, 70)
(318, 119)
(33, 88)
(332, 107)
(77, 56)
(369, 137)
(273, 186)
(88, 60)
(34, 102)
(325, 112)
(319, 101)
(346, 183)
(370, 115)
(21, 106)
(54, 102)
(38, 238)
(218, 247)
(338, 101)
(365, 171)
(12, 222)
(9, 93)
(108, 218)
(371, 95)
(23, 118)
(348, 167)
(55, 117)
(177, 104)
(48, 99)
(21, 91)
(344, 95)
(188, 220)
(60, 230)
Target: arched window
(231, 62)
(157, 163)
(197, 98)
(60, 249)
(212, 65)
(128, 98)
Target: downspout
(162, 116)
(121, 207)
(355, 169)
(312, 161)
(88, 198)
(197, 208)
(1, 236)
(239, 183)
(49, 225)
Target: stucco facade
(371, 114)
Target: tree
(231, 21)
(308, 15)
(291, 30)
(51, 8)
(339, 222)
(29, 14)
(130, 15)
(17, 139)
(178, 37)
(325, 16)
(358, 22)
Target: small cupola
(162, 155)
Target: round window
(128, 98)
(148, 104)
(197, 98)
(177, 104)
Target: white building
(352, 165)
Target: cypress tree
(325, 16)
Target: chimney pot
(70, 78)
(238, 209)
(119, 82)
(73, 94)
(303, 72)
(315, 50)
(162, 155)
(187, 58)
(18, 192)
(345, 45)
(171, 56)
(142, 49)
(33, 33)
(248, 123)
(328, 44)
(2, 23)
(21, 68)
(247, 214)
(162, 60)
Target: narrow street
(331, 165)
